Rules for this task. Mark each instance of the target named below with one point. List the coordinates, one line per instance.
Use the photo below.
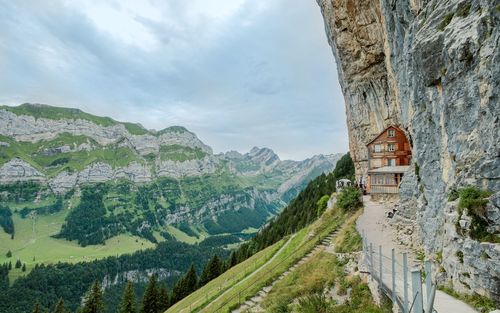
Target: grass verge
(480, 303)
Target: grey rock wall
(431, 68)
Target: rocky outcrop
(207, 165)
(31, 129)
(68, 136)
(63, 182)
(431, 68)
(18, 170)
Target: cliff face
(65, 148)
(156, 178)
(431, 68)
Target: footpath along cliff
(431, 68)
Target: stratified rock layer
(431, 68)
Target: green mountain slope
(95, 181)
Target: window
(376, 163)
(391, 147)
(378, 148)
(380, 179)
(391, 133)
(392, 162)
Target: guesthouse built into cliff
(389, 156)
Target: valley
(81, 187)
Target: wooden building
(389, 156)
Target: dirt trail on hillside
(253, 304)
(256, 271)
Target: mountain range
(145, 180)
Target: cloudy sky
(239, 73)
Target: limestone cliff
(432, 68)
(154, 178)
(65, 148)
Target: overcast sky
(238, 73)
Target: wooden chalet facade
(389, 156)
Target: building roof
(390, 169)
(344, 180)
(382, 132)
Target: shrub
(453, 195)
(439, 256)
(349, 199)
(322, 203)
(460, 256)
(420, 255)
(464, 10)
(475, 201)
(446, 20)
(316, 303)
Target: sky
(238, 73)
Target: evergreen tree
(150, 301)
(185, 285)
(9, 254)
(10, 265)
(36, 308)
(128, 304)
(24, 267)
(212, 270)
(233, 260)
(94, 300)
(60, 307)
(163, 298)
(18, 263)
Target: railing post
(428, 281)
(416, 281)
(393, 268)
(380, 266)
(371, 261)
(405, 283)
(430, 299)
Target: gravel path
(377, 229)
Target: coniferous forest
(178, 268)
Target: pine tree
(18, 263)
(60, 307)
(94, 300)
(10, 265)
(212, 270)
(150, 303)
(163, 298)
(233, 260)
(9, 254)
(128, 304)
(191, 280)
(36, 308)
(24, 267)
(185, 285)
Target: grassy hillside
(58, 113)
(232, 288)
(39, 154)
(302, 290)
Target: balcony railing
(384, 189)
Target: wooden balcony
(383, 189)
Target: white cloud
(237, 72)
